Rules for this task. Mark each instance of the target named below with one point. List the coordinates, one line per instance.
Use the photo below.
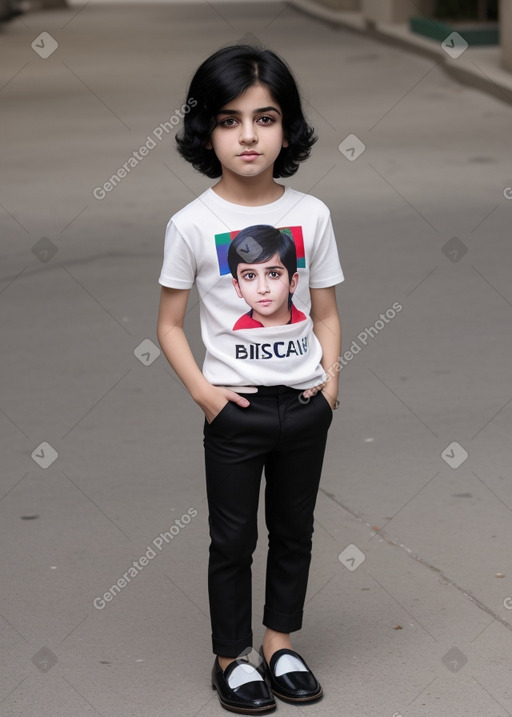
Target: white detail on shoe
(242, 674)
(289, 663)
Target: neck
(249, 191)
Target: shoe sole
(299, 700)
(242, 710)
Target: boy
(263, 262)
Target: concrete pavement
(410, 593)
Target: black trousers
(284, 434)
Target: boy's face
(265, 287)
(249, 134)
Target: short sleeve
(325, 268)
(179, 265)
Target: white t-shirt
(196, 243)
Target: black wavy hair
(261, 242)
(221, 78)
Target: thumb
(240, 400)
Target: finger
(318, 388)
(240, 400)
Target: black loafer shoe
(293, 687)
(248, 699)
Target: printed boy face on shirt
(266, 288)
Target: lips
(249, 154)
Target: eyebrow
(237, 112)
(268, 268)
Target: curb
(478, 68)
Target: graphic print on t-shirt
(263, 265)
(222, 242)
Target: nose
(262, 285)
(247, 132)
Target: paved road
(406, 614)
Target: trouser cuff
(232, 649)
(282, 623)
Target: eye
(275, 274)
(266, 120)
(249, 275)
(229, 122)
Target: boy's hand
(331, 400)
(309, 392)
(215, 398)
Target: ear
(237, 288)
(208, 145)
(285, 142)
(294, 281)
